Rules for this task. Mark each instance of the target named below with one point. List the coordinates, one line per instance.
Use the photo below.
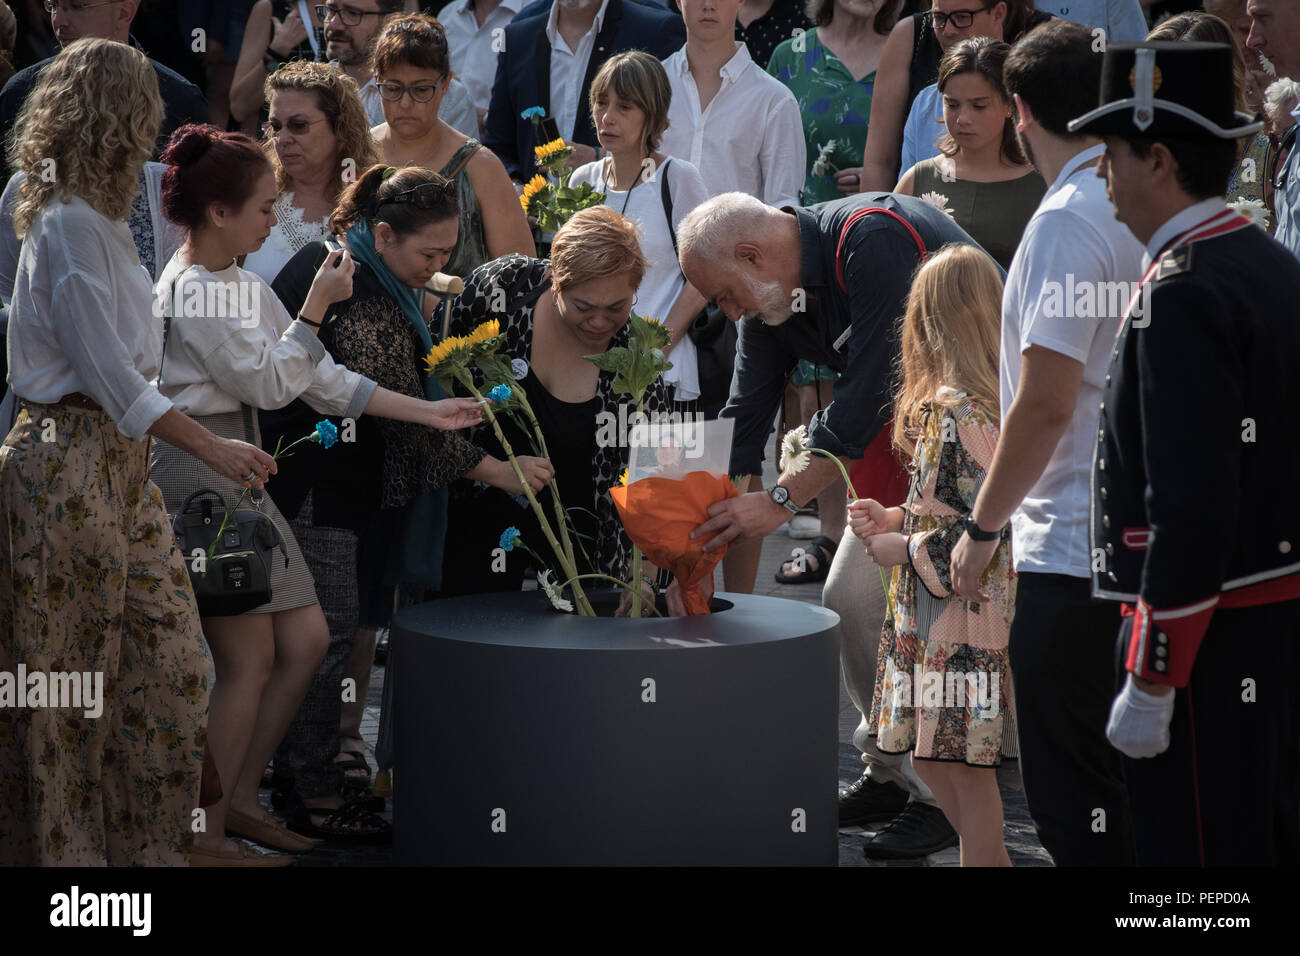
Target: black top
(926, 52)
(182, 100)
(389, 463)
(852, 332)
(764, 34)
(523, 279)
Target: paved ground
(1022, 845)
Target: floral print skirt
(91, 582)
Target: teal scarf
(420, 529)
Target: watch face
(780, 495)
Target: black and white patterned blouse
(520, 277)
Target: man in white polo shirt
(733, 122)
(1064, 300)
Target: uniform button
(1110, 548)
(1107, 379)
(1284, 547)
(1162, 651)
(1111, 575)
(1102, 492)
(1105, 521)
(1101, 464)
(1160, 665)
(1162, 638)
(1101, 407)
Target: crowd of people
(911, 226)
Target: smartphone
(550, 130)
(332, 246)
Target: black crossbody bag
(227, 551)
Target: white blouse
(290, 233)
(82, 317)
(663, 281)
(233, 341)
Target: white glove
(1139, 722)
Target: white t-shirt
(663, 281)
(1055, 299)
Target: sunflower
(451, 352)
(535, 185)
(622, 479)
(547, 150)
(484, 332)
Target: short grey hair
(711, 229)
(1281, 98)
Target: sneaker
(916, 832)
(867, 801)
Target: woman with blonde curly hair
(91, 582)
(318, 140)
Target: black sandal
(809, 565)
(351, 823)
(355, 768)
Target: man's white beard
(774, 306)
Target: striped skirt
(179, 474)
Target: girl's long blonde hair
(86, 130)
(951, 335)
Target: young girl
(943, 684)
(980, 176)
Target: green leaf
(614, 360)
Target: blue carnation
(327, 433)
(508, 538)
(499, 394)
(533, 112)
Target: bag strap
(859, 214)
(464, 154)
(666, 196)
(204, 491)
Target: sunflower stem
(580, 599)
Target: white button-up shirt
(750, 139)
(474, 48)
(1072, 243)
(82, 318)
(569, 69)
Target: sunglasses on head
(423, 196)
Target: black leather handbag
(228, 552)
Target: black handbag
(231, 574)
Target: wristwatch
(976, 533)
(781, 496)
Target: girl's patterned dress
(943, 680)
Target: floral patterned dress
(943, 679)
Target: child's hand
(867, 517)
(888, 549)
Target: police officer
(1195, 467)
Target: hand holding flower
(451, 414)
(869, 517)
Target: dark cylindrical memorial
(527, 737)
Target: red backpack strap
(839, 246)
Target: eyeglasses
(350, 16)
(961, 19)
(73, 6)
(1277, 166)
(420, 92)
(296, 126)
(424, 196)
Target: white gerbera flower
(938, 200)
(1266, 65)
(553, 592)
(823, 166)
(1252, 209)
(795, 454)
